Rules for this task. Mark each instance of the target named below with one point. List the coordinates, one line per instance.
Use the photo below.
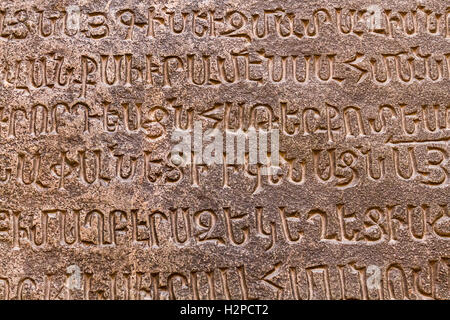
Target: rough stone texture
(91, 206)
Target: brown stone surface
(92, 206)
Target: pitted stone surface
(94, 95)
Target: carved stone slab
(224, 149)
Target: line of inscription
(187, 227)
(54, 71)
(131, 24)
(393, 123)
(341, 168)
(341, 281)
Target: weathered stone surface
(93, 206)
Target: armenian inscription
(224, 149)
